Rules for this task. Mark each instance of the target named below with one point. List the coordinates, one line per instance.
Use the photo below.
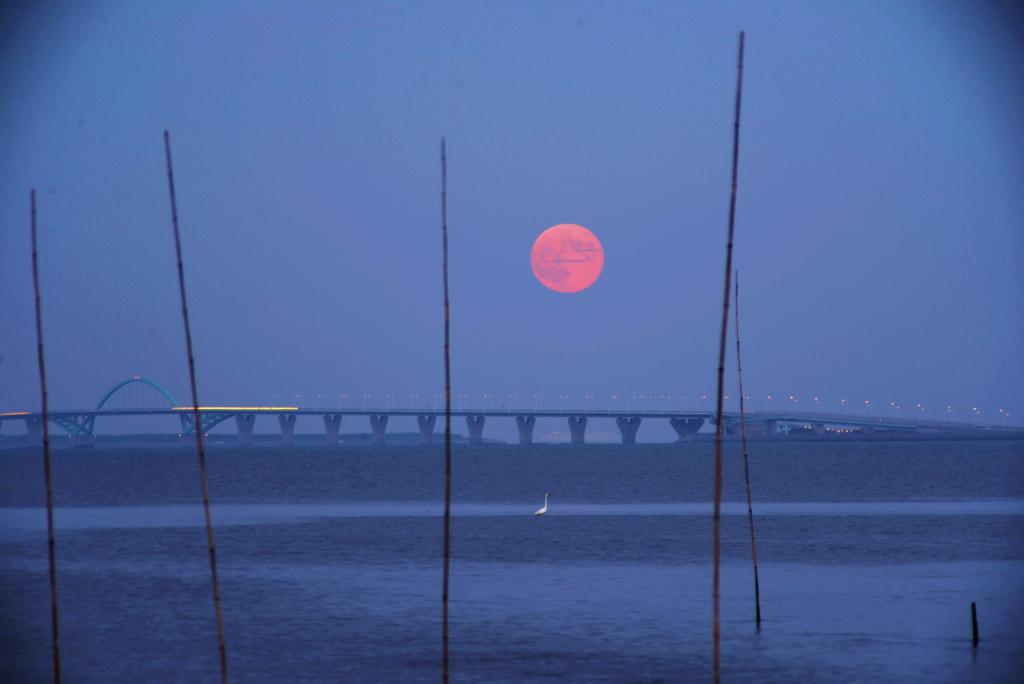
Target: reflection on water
(71, 518)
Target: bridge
(80, 424)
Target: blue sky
(879, 229)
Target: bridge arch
(83, 426)
(137, 379)
(207, 419)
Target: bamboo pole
(51, 543)
(746, 462)
(716, 520)
(974, 624)
(197, 419)
(447, 421)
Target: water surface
(330, 563)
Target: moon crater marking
(567, 258)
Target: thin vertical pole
(447, 421)
(197, 421)
(746, 462)
(51, 543)
(716, 519)
(974, 624)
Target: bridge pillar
(525, 425)
(577, 429)
(628, 427)
(426, 424)
(379, 425)
(332, 423)
(245, 423)
(686, 428)
(770, 428)
(184, 416)
(34, 426)
(476, 429)
(819, 428)
(287, 421)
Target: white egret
(544, 509)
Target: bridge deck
(756, 417)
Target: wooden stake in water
(974, 624)
(197, 421)
(746, 462)
(51, 543)
(447, 421)
(716, 519)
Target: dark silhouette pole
(197, 419)
(447, 422)
(974, 624)
(746, 462)
(716, 520)
(51, 543)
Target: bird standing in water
(544, 509)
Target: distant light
(236, 408)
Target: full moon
(567, 258)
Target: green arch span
(145, 381)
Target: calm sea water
(330, 564)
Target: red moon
(567, 258)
